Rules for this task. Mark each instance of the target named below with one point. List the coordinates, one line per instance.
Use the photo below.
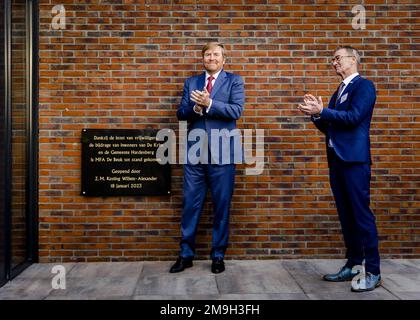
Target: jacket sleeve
(320, 124)
(185, 111)
(231, 110)
(363, 100)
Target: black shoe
(217, 266)
(345, 274)
(181, 264)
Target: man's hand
(198, 109)
(312, 105)
(202, 98)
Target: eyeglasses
(338, 58)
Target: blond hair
(213, 44)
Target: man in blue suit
(346, 124)
(211, 103)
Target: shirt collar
(350, 77)
(214, 76)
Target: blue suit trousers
(350, 183)
(197, 179)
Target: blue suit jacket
(347, 122)
(219, 123)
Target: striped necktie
(340, 91)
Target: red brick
(129, 61)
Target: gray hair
(351, 51)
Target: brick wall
(122, 64)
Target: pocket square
(343, 98)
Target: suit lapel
(218, 83)
(333, 100)
(350, 85)
(347, 89)
(201, 81)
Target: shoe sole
(337, 280)
(217, 271)
(341, 280)
(370, 289)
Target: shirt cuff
(208, 108)
(318, 116)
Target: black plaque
(122, 162)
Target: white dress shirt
(346, 81)
(205, 86)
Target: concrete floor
(242, 280)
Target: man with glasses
(211, 103)
(345, 123)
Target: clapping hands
(201, 98)
(312, 105)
